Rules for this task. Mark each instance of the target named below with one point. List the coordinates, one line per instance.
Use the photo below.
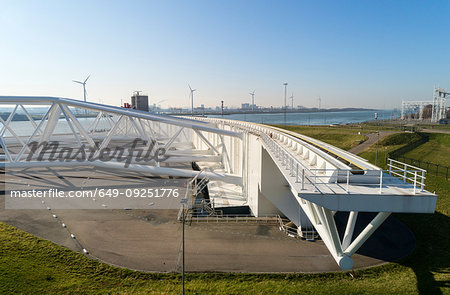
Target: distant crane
(253, 99)
(156, 104)
(192, 98)
(84, 86)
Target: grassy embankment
(343, 137)
(30, 265)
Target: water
(24, 128)
(314, 118)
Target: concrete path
(372, 139)
(435, 131)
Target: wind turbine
(320, 102)
(253, 99)
(84, 86)
(192, 98)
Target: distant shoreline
(23, 117)
(244, 112)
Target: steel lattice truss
(107, 127)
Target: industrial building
(139, 101)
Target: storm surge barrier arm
(323, 183)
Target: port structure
(438, 105)
(271, 170)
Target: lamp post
(285, 105)
(376, 152)
(183, 201)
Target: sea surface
(314, 118)
(24, 128)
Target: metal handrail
(289, 160)
(233, 218)
(316, 176)
(416, 171)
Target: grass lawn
(436, 150)
(30, 265)
(342, 137)
(379, 153)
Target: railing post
(390, 166)
(292, 167)
(381, 181)
(415, 179)
(422, 182)
(303, 179)
(296, 174)
(348, 178)
(404, 173)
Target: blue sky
(350, 53)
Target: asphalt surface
(150, 240)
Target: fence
(424, 138)
(432, 168)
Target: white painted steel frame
(293, 155)
(123, 124)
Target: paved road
(372, 139)
(436, 131)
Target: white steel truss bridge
(268, 169)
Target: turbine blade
(87, 78)
(190, 87)
(77, 82)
